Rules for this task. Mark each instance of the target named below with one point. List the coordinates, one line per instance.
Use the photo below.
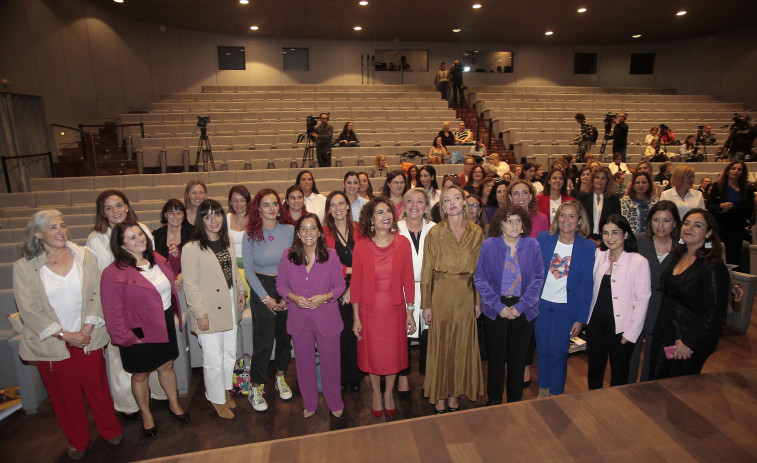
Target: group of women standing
(358, 284)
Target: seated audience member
(654, 134)
(479, 149)
(617, 164)
(663, 175)
(348, 137)
(689, 151)
(680, 190)
(448, 137)
(619, 180)
(501, 166)
(463, 136)
(655, 153)
(438, 153)
(380, 167)
(667, 137)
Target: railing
(4, 160)
(479, 120)
(120, 126)
(82, 134)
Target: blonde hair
(583, 219)
(465, 202)
(680, 172)
(421, 190)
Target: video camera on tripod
(310, 123)
(202, 123)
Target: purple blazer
(323, 277)
(488, 279)
(130, 301)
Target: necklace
(269, 237)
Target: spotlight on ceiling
(476, 6)
(358, 28)
(254, 28)
(118, 1)
(363, 3)
(244, 2)
(681, 13)
(582, 10)
(548, 33)
(456, 30)
(636, 36)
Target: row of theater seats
(427, 102)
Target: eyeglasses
(474, 206)
(401, 182)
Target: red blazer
(130, 301)
(331, 241)
(542, 201)
(364, 272)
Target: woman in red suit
(555, 193)
(382, 295)
(341, 233)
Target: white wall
(90, 64)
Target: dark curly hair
(101, 220)
(715, 252)
(503, 213)
(123, 258)
(255, 221)
(366, 214)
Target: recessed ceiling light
(636, 36)
(118, 1)
(582, 10)
(456, 30)
(358, 28)
(363, 3)
(476, 6)
(254, 28)
(681, 13)
(548, 33)
(244, 2)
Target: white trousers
(120, 384)
(219, 353)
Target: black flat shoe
(403, 394)
(183, 418)
(526, 384)
(151, 433)
(131, 416)
(493, 402)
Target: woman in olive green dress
(451, 305)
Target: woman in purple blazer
(622, 288)
(311, 280)
(139, 301)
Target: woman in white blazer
(622, 288)
(216, 297)
(414, 226)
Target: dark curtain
(23, 130)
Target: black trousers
(601, 342)
(661, 367)
(507, 344)
(267, 327)
(644, 343)
(348, 347)
(324, 155)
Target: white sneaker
(285, 392)
(255, 397)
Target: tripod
(308, 154)
(203, 147)
(604, 146)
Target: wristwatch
(60, 334)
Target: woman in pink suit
(139, 301)
(310, 278)
(382, 294)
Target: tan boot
(223, 411)
(230, 401)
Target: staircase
(471, 119)
(112, 159)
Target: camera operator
(619, 135)
(690, 151)
(584, 139)
(741, 139)
(707, 137)
(667, 137)
(322, 135)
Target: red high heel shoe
(390, 412)
(378, 413)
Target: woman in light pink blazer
(622, 288)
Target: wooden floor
(702, 418)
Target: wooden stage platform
(707, 418)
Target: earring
(521, 231)
(680, 240)
(372, 227)
(708, 244)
